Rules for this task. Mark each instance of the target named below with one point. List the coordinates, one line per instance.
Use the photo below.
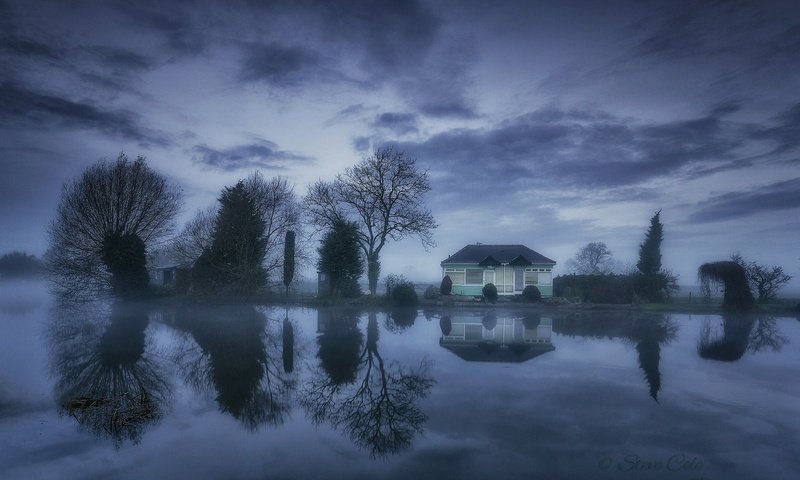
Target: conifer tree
(340, 255)
(233, 263)
(650, 250)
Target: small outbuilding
(509, 267)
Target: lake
(129, 391)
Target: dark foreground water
(249, 392)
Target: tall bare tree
(113, 208)
(383, 194)
(195, 235)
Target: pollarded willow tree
(383, 194)
(106, 220)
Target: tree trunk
(373, 272)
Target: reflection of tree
(230, 357)
(287, 349)
(400, 319)
(107, 379)
(378, 409)
(740, 333)
(650, 333)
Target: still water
(108, 390)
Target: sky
(550, 124)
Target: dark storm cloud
(397, 122)
(43, 110)
(259, 154)
(769, 198)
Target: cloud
(279, 65)
(578, 148)
(398, 123)
(768, 198)
(44, 110)
(785, 131)
(260, 154)
(27, 47)
(118, 58)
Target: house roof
(494, 352)
(497, 255)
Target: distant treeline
(19, 265)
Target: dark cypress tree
(650, 250)
(233, 263)
(288, 260)
(340, 257)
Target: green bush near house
(446, 286)
(531, 294)
(490, 292)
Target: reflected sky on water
(110, 390)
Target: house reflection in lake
(487, 337)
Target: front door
(519, 280)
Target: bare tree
(195, 235)
(764, 281)
(112, 208)
(384, 195)
(593, 259)
(280, 210)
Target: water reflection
(107, 376)
(357, 391)
(740, 333)
(483, 337)
(234, 354)
(648, 332)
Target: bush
(618, 289)
(403, 295)
(446, 286)
(431, 293)
(531, 294)
(490, 292)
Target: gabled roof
(503, 254)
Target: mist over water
(153, 390)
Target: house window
(456, 275)
(546, 278)
(531, 278)
(488, 276)
(474, 276)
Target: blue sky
(552, 124)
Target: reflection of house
(509, 267)
(491, 339)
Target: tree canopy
(764, 281)
(339, 256)
(650, 250)
(383, 194)
(110, 204)
(593, 259)
(233, 262)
